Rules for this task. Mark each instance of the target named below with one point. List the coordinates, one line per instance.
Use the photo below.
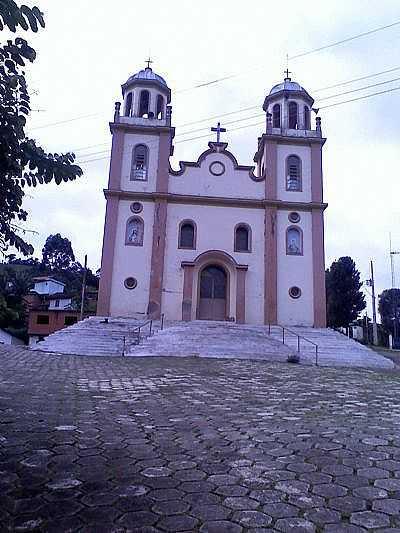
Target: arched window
(242, 238)
(293, 120)
(160, 107)
(187, 235)
(140, 157)
(307, 123)
(276, 116)
(128, 105)
(134, 231)
(293, 173)
(144, 104)
(294, 241)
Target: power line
(230, 76)
(80, 117)
(296, 56)
(361, 97)
(336, 43)
(250, 108)
(360, 89)
(251, 116)
(257, 123)
(356, 79)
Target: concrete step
(94, 336)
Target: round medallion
(130, 283)
(136, 207)
(217, 168)
(295, 292)
(294, 217)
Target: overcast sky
(88, 49)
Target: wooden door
(213, 293)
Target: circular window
(295, 292)
(294, 217)
(217, 168)
(136, 207)
(130, 283)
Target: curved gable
(216, 173)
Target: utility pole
(83, 289)
(392, 254)
(374, 324)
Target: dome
(287, 85)
(146, 74)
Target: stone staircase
(213, 339)
(334, 348)
(228, 340)
(95, 336)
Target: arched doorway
(213, 283)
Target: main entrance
(212, 294)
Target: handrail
(284, 330)
(138, 330)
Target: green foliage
(389, 309)
(57, 253)
(14, 285)
(344, 299)
(22, 162)
(16, 279)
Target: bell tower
(289, 157)
(134, 232)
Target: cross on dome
(287, 72)
(218, 130)
(148, 61)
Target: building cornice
(138, 128)
(213, 200)
(286, 139)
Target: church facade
(214, 240)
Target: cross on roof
(218, 130)
(287, 72)
(148, 61)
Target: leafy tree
(22, 161)
(389, 309)
(344, 299)
(57, 253)
(14, 285)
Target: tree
(22, 162)
(389, 309)
(57, 253)
(344, 299)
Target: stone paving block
(240, 503)
(220, 526)
(370, 519)
(388, 506)
(177, 445)
(252, 518)
(295, 525)
(178, 523)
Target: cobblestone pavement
(148, 445)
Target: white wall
(295, 270)
(215, 231)
(48, 287)
(131, 140)
(6, 338)
(304, 152)
(64, 303)
(232, 184)
(132, 261)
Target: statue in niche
(135, 232)
(293, 242)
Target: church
(214, 239)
